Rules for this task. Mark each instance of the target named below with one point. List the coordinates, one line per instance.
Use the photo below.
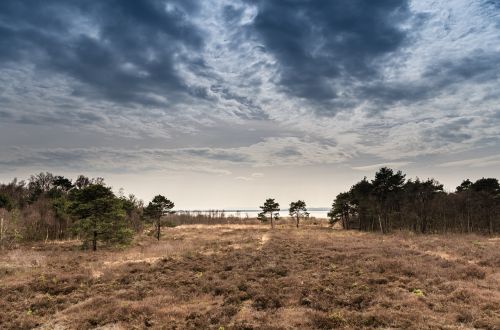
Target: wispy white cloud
(474, 162)
(270, 152)
(374, 167)
(252, 177)
(243, 178)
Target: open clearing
(252, 277)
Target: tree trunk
(491, 225)
(272, 222)
(380, 223)
(347, 220)
(158, 229)
(297, 220)
(94, 242)
(468, 222)
(1, 232)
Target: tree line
(50, 207)
(390, 202)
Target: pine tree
(298, 210)
(157, 208)
(100, 216)
(270, 206)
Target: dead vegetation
(249, 277)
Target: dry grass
(250, 277)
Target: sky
(223, 103)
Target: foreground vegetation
(250, 277)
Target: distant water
(316, 212)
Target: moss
(418, 292)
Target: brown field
(250, 277)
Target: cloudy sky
(223, 103)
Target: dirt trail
(263, 240)
(445, 256)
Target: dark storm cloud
(5, 114)
(492, 3)
(49, 158)
(120, 50)
(73, 117)
(208, 153)
(452, 132)
(329, 53)
(316, 41)
(288, 152)
(479, 67)
(332, 53)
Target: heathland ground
(252, 277)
